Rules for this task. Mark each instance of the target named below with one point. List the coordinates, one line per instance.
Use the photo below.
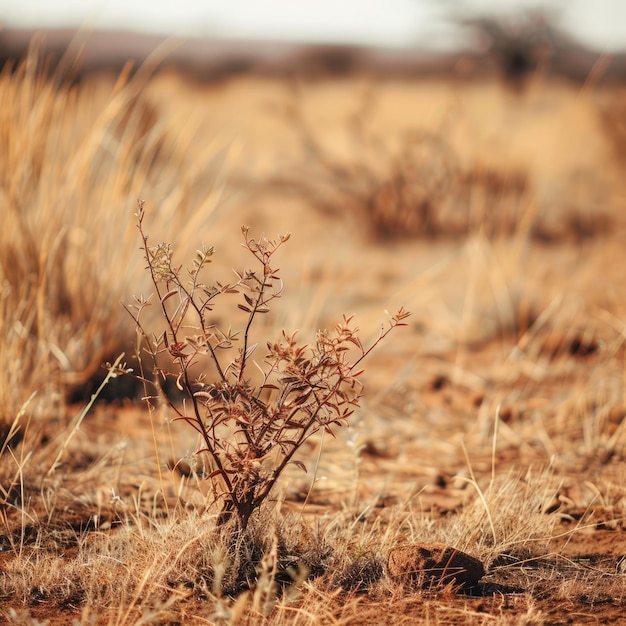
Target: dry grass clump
(505, 516)
(187, 560)
(73, 159)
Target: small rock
(433, 565)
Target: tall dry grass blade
(78, 420)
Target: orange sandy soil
(520, 327)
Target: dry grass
(75, 157)
(496, 426)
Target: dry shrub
(415, 189)
(250, 429)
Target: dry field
(493, 423)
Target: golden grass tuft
(73, 160)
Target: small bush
(251, 429)
(413, 187)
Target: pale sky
(599, 23)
